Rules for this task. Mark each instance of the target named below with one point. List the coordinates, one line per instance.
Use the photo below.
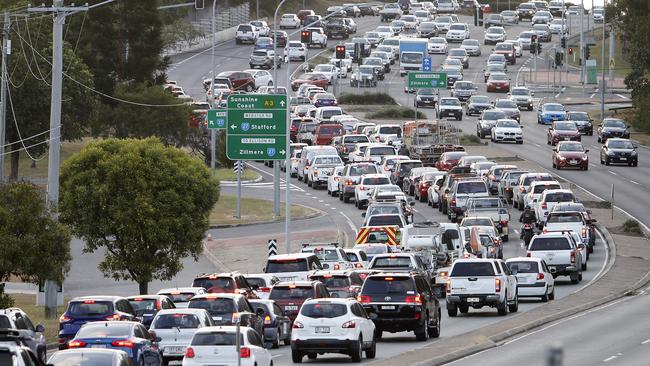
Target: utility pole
(6, 51)
(582, 43)
(602, 69)
(60, 12)
(213, 104)
(612, 50)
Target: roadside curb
(318, 213)
(256, 180)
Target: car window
(287, 265)
(101, 330)
(550, 244)
(291, 292)
(216, 339)
(214, 306)
(524, 266)
(90, 308)
(472, 269)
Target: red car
(291, 295)
(562, 131)
(507, 50)
(498, 82)
(311, 78)
(303, 13)
(422, 186)
(324, 133)
(449, 160)
(240, 80)
(280, 37)
(570, 154)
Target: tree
(28, 116)
(170, 124)
(145, 203)
(34, 246)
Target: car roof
(98, 298)
(291, 256)
(181, 289)
(220, 295)
(296, 283)
(180, 311)
(524, 259)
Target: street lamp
(213, 132)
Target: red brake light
(297, 325)
(113, 317)
(264, 289)
(528, 254)
(573, 256)
(449, 286)
(350, 324)
(267, 320)
(123, 343)
(453, 202)
(189, 352)
(89, 301)
(64, 319)
(358, 265)
(413, 299)
(504, 222)
(497, 284)
(77, 344)
(364, 299)
(544, 205)
(540, 276)
(245, 352)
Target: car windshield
(332, 282)
(553, 108)
(359, 170)
(216, 339)
(287, 265)
(381, 151)
(426, 26)
(307, 127)
(542, 187)
(471, 187)
(457, 27)
(526, 35)
(579, 116)
(523, 266)
(291, 292)
(503, 47)
(221, 284)
(613, 123)
(384, 30)
(388, 285)
(260, 53)
(426, 92)
(508, 104)
(214, 306)
(330, 130)
(324, 254)
(469, 269)
(323, 310)
(570, 147)
(323, 68)
(436, 40)
(550, 244)
(384, 220)
(375, 181)
(169, 321)
(457, 52)
(518, 91)
(495, 31)
(411, 57)
(105, 330)
(89, 308)
(372, 35)
(449, 101)
(499, 77)
(563, 217)
(507, 123)
(354, 139)
(391, 42)
(367, 70)
(143, 305)
(565, 126)
(443, 19)
(486, 203)
(493, 115)
(480, 99)
(470, 42)
(477, 221)
(372, 249)
(619, 144)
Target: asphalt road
(613, 334)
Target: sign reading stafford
(257, 127)
(426, 80)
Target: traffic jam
(445, 233)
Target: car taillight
(245, 352)
(522, 189)
(267, 320)
(544, 205)
(348, 182)
(358, 265)
(449, 286)
(529, 254)
(493, 178)
(189, 352)
(64, 319)
(363, 188)
(350, 324)
(364, 299)
(123, 343)
(297, 325)
(540, 276)
(453, 202)
(113, 317)
(413, 299)
(497, 284)
(584, 232)
(77, 344)
(573, 256)
(264, 289)
(337, 267)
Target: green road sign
(217, 118)
(257, 127)
(426, 79)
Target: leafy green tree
(34, 246)
(145, 203)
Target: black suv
(336, 27)
(399, 302)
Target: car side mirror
(363, 214)
(634, 147)
(39, 328)
(260, 312)
(521, 126)
(514, 271)
(581, 246)
(447, 190)
(587, 150)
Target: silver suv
(32, 336)
(13, 352)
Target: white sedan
(333, 181)
(518, 48)
(262, 77)
(437, 45)
(296, 51)
(216, 345)
(330, 71)
(289, 21)
(507, 130)
(363, 190)
(558, 26)
(533, 278)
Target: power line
(74, 50)
(13, 113)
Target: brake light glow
(573, 256)
(453, 202)
(413, 299)
(358, 265)
(544, 206)
(264, 289)
(267, 320)
(245, 352)
(584, 232)
(77, 344)
(297, 325)
(189, 352)
(89, 301)
(504, 222)
(364, 299)
(528, 254)
(497, 284)
(64, 319)
(448, 286)
(348, 182)
(235, 317)
(540, 276)
(123, 343)
(350, 324)
(113, 317)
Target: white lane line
(308, 194)
(609, 358)
(333, 208)
(327, 204)
(350, 223)
(621, 96)
(611, 172)
(536, 144)
(646, 341)
(633, 182)
(593, 95)
(321, 201)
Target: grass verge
(468, 139)
(229, 174)
(37, 314)
(39, 169)
(395, 112)
(252, 210)
(621, 64)
(366, 99)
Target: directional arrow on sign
(282, 152)
(282, 103)
(233, 126)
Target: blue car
(130, 337)
(82, 310)
(548, 113)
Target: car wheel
(296, 356)
(502, 308)
(371, 352)
(551, 296)
(584, 265)
(514, 307)
(378, 334)
(357, 351)
(574, 278)
(434, 332)
(422, 334)
(607, 161)
(452, 310)
(276, 342)
(346, 199)
(312, 356)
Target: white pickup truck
(561, 253)
(481, 282)
(330, 255)
(493, 207)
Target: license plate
(98, 346)
(218, 318)
(473, 299)
(388, 307)
(498, 87)
(566, 139)
(291, 307)
(573, 162)
(174, 350)
(622, 159)
(322, 329)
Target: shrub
(395, 112)
(468, 139)
(632, 226)
(367, 99)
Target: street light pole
(582, 43)
(213, 132)
(276, 165)
(602, 67)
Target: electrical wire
(33, 55)
(24, 52)
(74, 50)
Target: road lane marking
(350, 223)
(633, 182)
(321, 201)
(646, 341)
(609, 358)
(621, 96)
(593, 95)
(611, 172)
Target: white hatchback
(218, 345)
(364, 189)
(332, 325)
(533, 278)
(296, 51)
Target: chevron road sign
(273, 247)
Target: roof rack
(304, 245)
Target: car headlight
(585, 157)
(562, 158)
(633, 153)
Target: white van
(323, 114)
(308, 154)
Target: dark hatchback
(147, 306)
(398, 302)
(582, 121)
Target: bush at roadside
(395, 112)
(367, 99)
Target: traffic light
(563, 42)
(570, 51)
(305, 37)
(340, 51)
(587, 52)
(199, 4)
